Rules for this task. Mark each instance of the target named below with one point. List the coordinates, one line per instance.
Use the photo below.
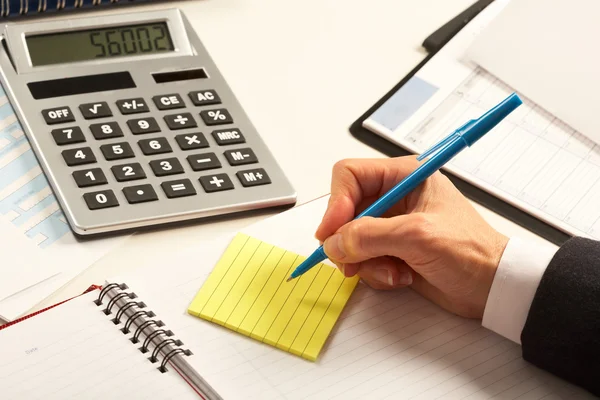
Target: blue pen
(445, 150)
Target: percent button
(216, 117)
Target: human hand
(433, 240)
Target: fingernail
(342, 268)
(334, 247)
(405, 278)
(384, 276)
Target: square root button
(253, 177)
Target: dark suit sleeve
(562, 331)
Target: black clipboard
(433, 44)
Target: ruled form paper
(75, 351)
(385, 345)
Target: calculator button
(58, 115)
(204, 97)
(179, 188)
(117, 151)
(253, 177)
(168, 101)
(216, 117)
(102, 199)
(201, 162)
(79, 156)
(89, 177)
(216, 183)
(107, 130)
(155, 146)
(95, 110)
(128, 172)
(68, 135)
(240, 157)
(132, 106)
(143, 125)
(180, 121)
(140, 194)
(191, 141)
(167, 166)
(224, 137)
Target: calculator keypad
(191, 141)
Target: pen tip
(289, 279)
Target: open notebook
(384, 345)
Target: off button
(58, 115)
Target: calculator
(133, 124)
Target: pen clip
(447, 141)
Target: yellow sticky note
(247, 292)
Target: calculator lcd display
(99, 44)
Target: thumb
(368, 237)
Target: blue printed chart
(26, 198)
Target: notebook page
(385, 344)
(532, 160)
(76, 351)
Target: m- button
(58, 115)
(168, 101)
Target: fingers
(403, 236)
(355, 180)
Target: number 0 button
(89, 177)
(102, 199)
(80, 156)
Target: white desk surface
(304, 71)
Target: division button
(204, 97)
(140, 194)
(143, 125)
(69, 135)
(89, 177)
(224, 137)
(132, 106)
(168, 101)
(167, 166)
(191, 141)
(180, 121)
(95, 110)
(216, 183)
(253, 177)
(79, 156)
(128, 172)
(178, 188)
(58, 115)
(102, 199)
(216, 117)
(202, 162)
(107, 130)
(241, 157)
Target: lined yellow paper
(247, 292)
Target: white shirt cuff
(517, 278)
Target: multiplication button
(178, 188)
(102, 199)
(253, 177)
(191, 141)
(180, 121)
(132, 106)
(95, 110)
(225, 137)
(68, 135)
(168, 101)
(216, 117)
(241, 157)
(204, 97)
(58, 115)
(216, 183)
(140, 194)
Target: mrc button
(58, 115)
(228, 136)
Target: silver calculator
(133, 124)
